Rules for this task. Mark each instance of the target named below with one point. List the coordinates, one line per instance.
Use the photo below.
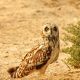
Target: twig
(66, 64)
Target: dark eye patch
(55, 28)
(46, 28)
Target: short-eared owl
(41, 56)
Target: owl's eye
(55, 28)
(46, 29)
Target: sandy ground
(20, 27)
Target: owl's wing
(36, 61)
(40, 57)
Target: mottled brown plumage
(42, 55)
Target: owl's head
(50, 32)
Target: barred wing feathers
(37, 59)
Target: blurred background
(21, 22)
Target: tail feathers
(12, 70)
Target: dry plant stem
(66, 64)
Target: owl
(40, 56)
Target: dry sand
(20, 27)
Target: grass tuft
(74, 50)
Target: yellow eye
(46, 29)
(55, 28)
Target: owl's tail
(12, 70)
